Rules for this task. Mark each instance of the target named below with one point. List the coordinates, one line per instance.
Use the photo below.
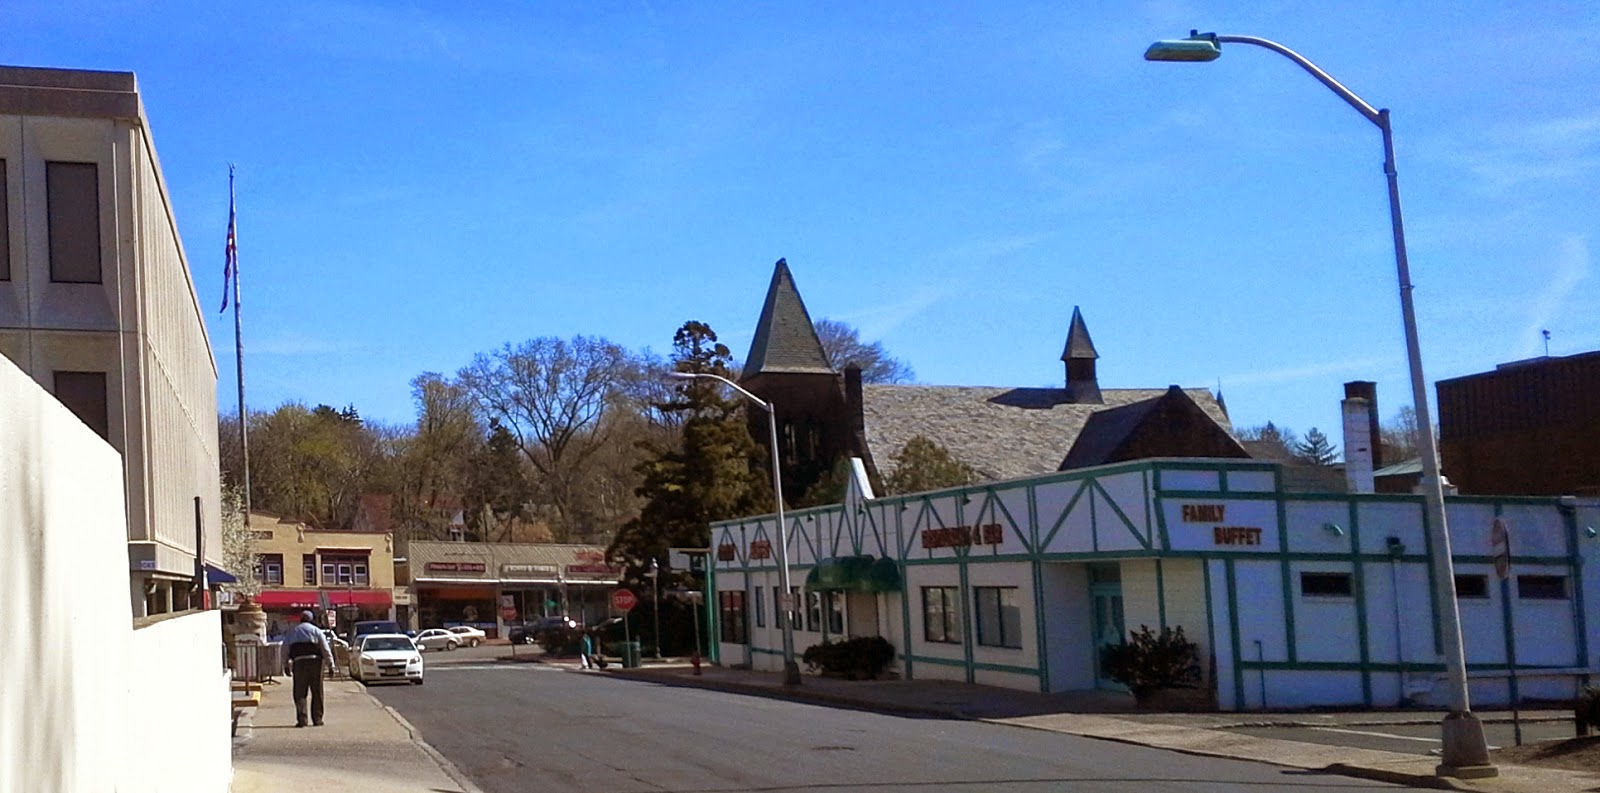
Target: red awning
(312, 598)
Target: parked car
(530, 632)
(386, 658)
(470, 636)
(438, 639)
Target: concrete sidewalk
(363, 747)
(1112, 717)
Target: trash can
(630, 655)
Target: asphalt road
(524, 727)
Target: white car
(386, 658)
(439, 639)
(470, 636)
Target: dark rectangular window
(72, 201)
(5, 226)
(308, 568)
(84, 393)
(1542, 587)
(1325, 584)
(759, 608)
(269, 569)
(813, 611)
(999, 618)
(1472, 587)
(941, 614)
(833, 605)
(730, 608)
(797, 601)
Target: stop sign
(622, 600)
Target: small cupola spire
(1079, 355)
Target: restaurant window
(1542, 587)
(759, 608)
(269, 570)
(84, 393)
(72, 199)
(1472, 587)
(308, 568)
(730, 608)
(834, 606)
(5, 226)
(941, 614)
(813, 611)
(999, 618)
(796, 601)
(1325, 584)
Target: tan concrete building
(350, 573)
(97, 306)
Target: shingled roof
(1003, 433)
(785, 339)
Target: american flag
(231, 257)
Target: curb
(449, 768)
(1398, 777)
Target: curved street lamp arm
(725, 381)
(1367, 111)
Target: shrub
(1148, 661)
(861, 658)
(1586, 713)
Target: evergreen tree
(1316, 449)
(923, 465)
(497, 488)
(714, 471)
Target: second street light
(1465, 752)
(791, 670)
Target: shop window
(1542, 587)
(730, 609)
(834, 606)
(1472, 587)
(5, 227)
(330, 573)
(941, 614)
(84, 393)
(72, 200)
(759, 609)
(999, 617)
(345, 570)
(308, 568)
(1325, 584)
(813, 611)
(269, 569)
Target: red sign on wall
(761, 549)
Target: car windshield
(387, 643)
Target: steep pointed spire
(1079, 345)
(1220, 403)
(785, 339)
(1082, 384)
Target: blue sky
(419, 182)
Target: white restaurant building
(1295, 599)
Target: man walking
(308, 653)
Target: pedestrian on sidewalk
(586, 652)
(308, 653)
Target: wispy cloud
(1572, 266)
(1513, 157)
(881, 320)
(1291, 373)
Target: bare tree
(553, 394)
(843, 345)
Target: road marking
(1384, 735)
(498, 667)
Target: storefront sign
(1221, 535)
(963, 536)
(455, 567)
(593, 569)
(589, 557)
(761, 549)
(528, 570)
(726, 552)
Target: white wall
(86, 702)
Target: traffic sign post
(1500, 546)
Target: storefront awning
(311, 598)
(217, 575)
(854, 574)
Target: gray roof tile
(785, 339)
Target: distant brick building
(1526, 428)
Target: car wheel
(449, 645)
(417, 682)
(474, 642)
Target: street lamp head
(1198, 47)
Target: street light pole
(1465, 752)
(655, 603)
(791, 670)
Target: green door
(1105, 595)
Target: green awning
(854, 574)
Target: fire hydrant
(695, 661)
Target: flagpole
(238, 346)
